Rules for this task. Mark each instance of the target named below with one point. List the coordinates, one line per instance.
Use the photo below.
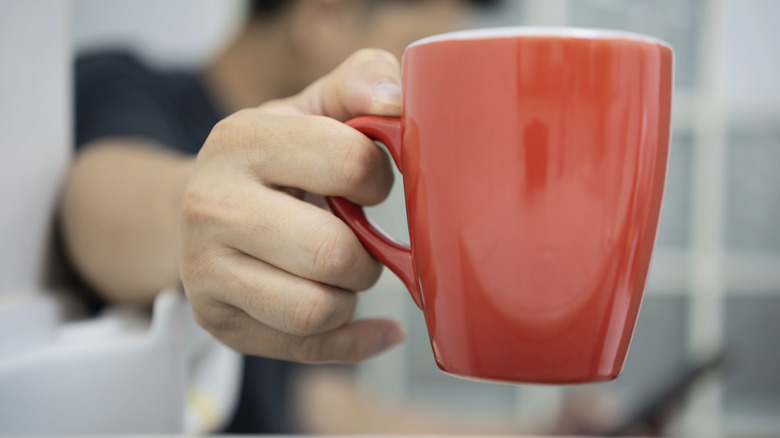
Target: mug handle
(394, 254)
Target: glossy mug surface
(533, 162)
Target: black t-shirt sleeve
(116, 95)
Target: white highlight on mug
(541, 31)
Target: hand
(267, 273)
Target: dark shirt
(118, 95)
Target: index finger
(312, 153)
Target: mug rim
(540, 31)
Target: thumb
(368, 82)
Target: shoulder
(109, 65)
(117, 94)
(106, 74)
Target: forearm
(119, 213)
(330, 402)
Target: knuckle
(203, 319)
(310, 314)
(225, 132)
(190, 261)
(195, 208)
(206, 209)
(222, 128)
(370, 277)
(332, 257)
(202, 209)
(317, 311)
(201, 270)
(217, 320)
(235, 136)
(359, 164)
(196, 262)
(233, 124)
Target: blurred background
(715, 282)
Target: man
(266, 270)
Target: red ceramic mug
(533, 163)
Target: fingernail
(388, 93)
(393, 337)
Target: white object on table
(120, 372)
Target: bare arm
(331, 402)
(119, 212)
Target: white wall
(34, 132)
(162, 31)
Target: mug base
(535, 381)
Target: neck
(251, 70)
